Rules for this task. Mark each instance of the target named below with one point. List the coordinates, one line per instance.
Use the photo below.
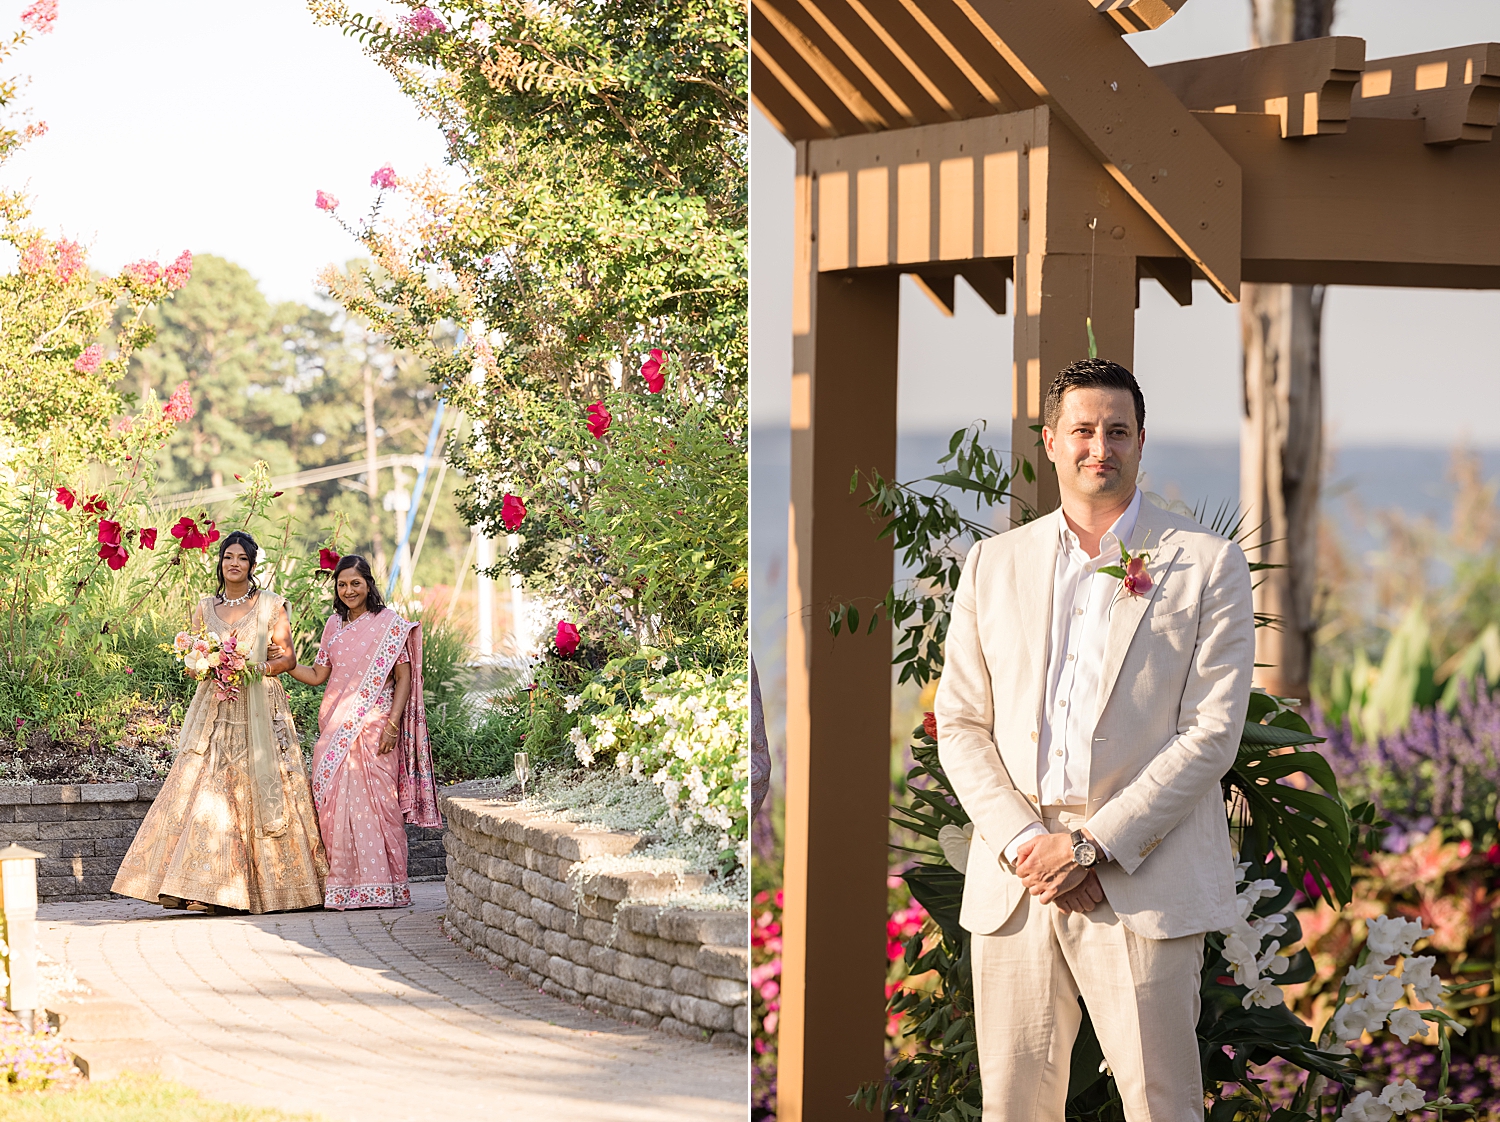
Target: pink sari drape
(363, 798)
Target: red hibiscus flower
(191, 537)
(66, 497)
(328, 559)
(109, 532)
(111, 550)
(651, 371)
(148, 538)
(512, 512)
(929, 724)
(599, 419)
(566, 640)
(95, 505)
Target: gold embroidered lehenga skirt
(199, 840)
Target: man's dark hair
(373, 601)
(1092, 373)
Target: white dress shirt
(1081, 599)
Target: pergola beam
(1307, 84)
(1456, 91)
(1128, 118)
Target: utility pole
(372, 474)
(1281, 440)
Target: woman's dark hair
(252, 551)
(373, 602)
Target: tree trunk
(372, 476)
(1281, 440)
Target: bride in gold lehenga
(234, 827)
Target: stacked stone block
(425, 857)
(603, 941)
(82, 830)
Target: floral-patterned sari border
(370, 686)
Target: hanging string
(1088, 320)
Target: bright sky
(208, 125)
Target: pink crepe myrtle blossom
(40, 16)
(179, 272)
(325, 201)
(512, 512)
(599, 419)
(34, 257)
(89, 360)
(142, 272)
(566, 639)
(384, 177)
(651, 371)
(179, 407)
(70, 260)
(423, 21)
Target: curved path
(376, 1016)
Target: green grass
(133, 1098)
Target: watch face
(1084, 854)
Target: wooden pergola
(1024, 140)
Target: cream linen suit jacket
(1172, 700)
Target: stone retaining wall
(600, 942)
(84, 829)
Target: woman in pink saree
(372, 764)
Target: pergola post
(831, 1035)
(1057, 294)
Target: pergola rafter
(1024, 140)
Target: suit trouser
(1142, 996)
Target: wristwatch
(1085, 853)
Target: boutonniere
(1132, 571)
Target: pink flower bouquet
(204, 655)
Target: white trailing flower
(571, 703)
(581, 747)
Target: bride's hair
(373, 602)
(252, 551)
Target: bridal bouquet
(203, 654)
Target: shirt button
(1078, 611)
(1033, 738)
(1058, 752)
(1062, 703)
(1072, 657)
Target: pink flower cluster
(765, 977)
(179, 272)
(423, 21)
(88, 362)
(70, 259)
(179, 407)
(40, 16)
(325, 201)
(384, 178)
(34, 259)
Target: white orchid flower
(1274, 962)
(1265, 993)
(1407, 1023)
(1388, 936)
(1403, 1097)
(1269, 927)
(1386, 991)
(1366, 1108)
(1418, 974)
(1358, 977)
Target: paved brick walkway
(375, 1016)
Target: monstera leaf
(1311, 829)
